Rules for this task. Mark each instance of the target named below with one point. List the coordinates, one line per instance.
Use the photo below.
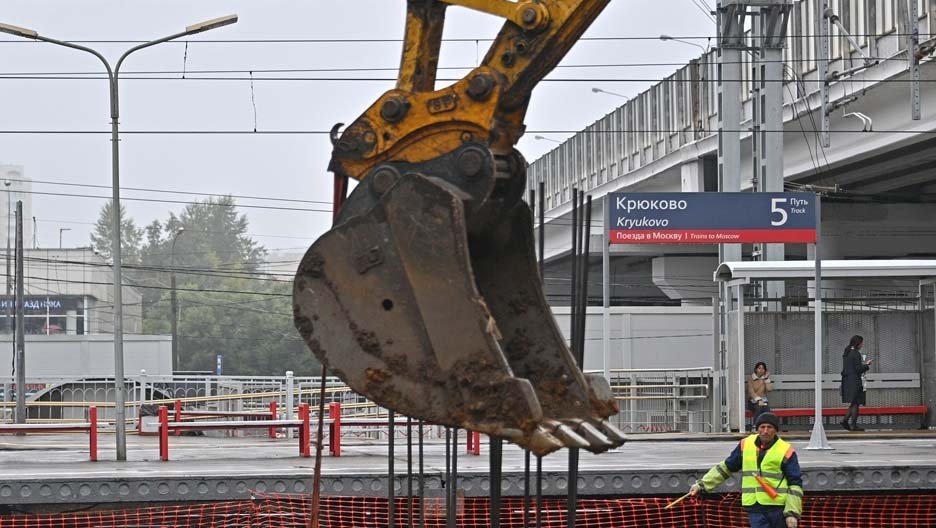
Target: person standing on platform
(771, 481)
(854, 384)
(757, 388)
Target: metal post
(421, 478)
(496, 448)
(447, 483)
(542, 226)
(818, 440)
(288, 400)
(716, 365)
(9, 255)
(606, 292)
(409, 472)
(526, 488)
(730, 45)
(391, 472)
(822, 70)
(913, 61)
(451, 518)
(20, 322)
(740, 329)
(773, 23)
(174, 308)
(539, 491)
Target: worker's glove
(792, 522)
(695, 489)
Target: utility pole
(174, 323)
(9, 274)
(730, 38)
(20, 356)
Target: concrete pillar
(692, 175)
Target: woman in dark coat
(853, 391)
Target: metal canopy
(831, 269)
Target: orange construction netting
(274, 511)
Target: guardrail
(651, 399)
(91, 426)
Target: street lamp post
(544, 138)
(62, 230)
(112, 76)
(665, 38)
(174, 322)
(599, 90)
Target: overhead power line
(168, 191)
(466, 40)
(188, 73)
(325, 132)
(184, 202)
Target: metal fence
(894, 323)
(650, 400)
(663, 400)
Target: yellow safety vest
(751, 490)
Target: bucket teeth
(567, 435)
(615, 435)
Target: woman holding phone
(853, 384)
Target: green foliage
(227, 304)
(130, 236)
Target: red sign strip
(712, 236)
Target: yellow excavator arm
(425, 296)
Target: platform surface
(54, 469)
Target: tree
(130, 235)
(227, 305)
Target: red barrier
(164, 432)
(92, 418)
(334, 430)
(473, 443)
(90, 426)
(165, 425)
(273, 416)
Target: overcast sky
(269, 166)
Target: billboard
(711, 218)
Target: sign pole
(818, 440)
(606, 293)
(741, 371)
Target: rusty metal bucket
(425, 298)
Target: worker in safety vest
(771, 482)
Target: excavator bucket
(425, 295)
(426, 313)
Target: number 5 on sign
(775, 208)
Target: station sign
(712, 218)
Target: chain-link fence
(895, 325)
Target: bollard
(163, 433)
(92, 417)
(334, 430)
(273, 416)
